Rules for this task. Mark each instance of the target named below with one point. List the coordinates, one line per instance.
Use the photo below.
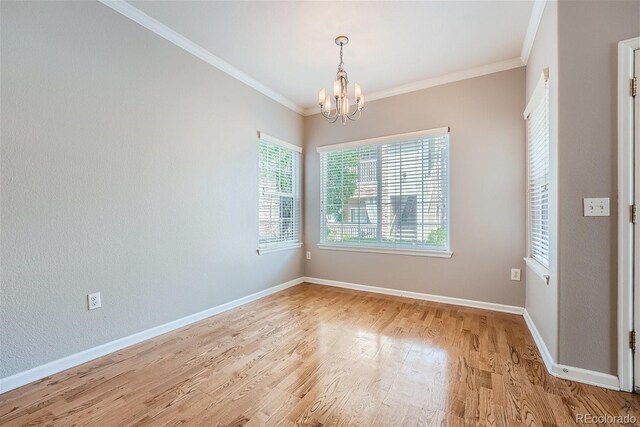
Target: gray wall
(487, 190)
(588, 36)
(542, 299)
(128, 167)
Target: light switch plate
(596, 206)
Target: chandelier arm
(328, 115)
(356, 111)
(331, 119)
(351, 117)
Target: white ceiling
(288, 47)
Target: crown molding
(438, 81)
(532, 29)
(181, 41)
(136, 15)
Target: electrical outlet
(515, 274)
(308, 254)
(93, 300)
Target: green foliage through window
(342, 167)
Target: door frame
(626, 199)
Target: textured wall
(588, 35)
(122, 155)
(542, 299)
(487, 190)
(128, 167)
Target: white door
(636, 282)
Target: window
(279, 199)
(388, 194)
(537, 118)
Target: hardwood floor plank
(320, 356)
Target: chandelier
(341, 95)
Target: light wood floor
(314, 355)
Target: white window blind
(537, 119)
(390, 193)
(279, 199)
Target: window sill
(539, 269)
(411, 252)
(277, 248)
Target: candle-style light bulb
(327, 104)
(358, 91)
(321, 96)
(361, 101)
(337, 89)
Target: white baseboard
(537, 338)
(569, 372)
(586, 376)
(43, 371)
(561, 371)
(418, 295)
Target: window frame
(424, 251)
(540, 94)
(296, 179)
